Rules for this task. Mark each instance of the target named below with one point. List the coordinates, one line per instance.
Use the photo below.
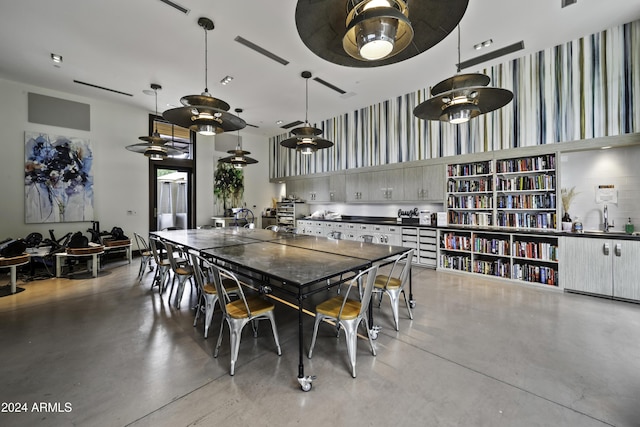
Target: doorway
(171, 192)
(171, 181)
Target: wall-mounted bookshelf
(470, 193)
(510, 193)
(521, 257)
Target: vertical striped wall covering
(584, 89)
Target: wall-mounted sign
(606, 194)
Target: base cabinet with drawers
(601, 266)
(425, 243)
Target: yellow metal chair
(348, 313)
(238, 313)
(394, 286)
(208, 296)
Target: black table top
(288, 264)
(296, 259)
(355, 249)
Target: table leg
(305, 382)
(58, 265)
(300, 340)
(13, 279)
(412, 302)
(94, 265)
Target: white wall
(586, 170)
(120, 176)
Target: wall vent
(261, 50)
(492, 55)
(292, 124)
(102, 88)
(176, 6)
(329, 85)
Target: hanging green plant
(228, 186)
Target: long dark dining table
(296, 264)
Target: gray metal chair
(348, 313)
(163, 265)
(394, 286)
(181, 270)
(145, 255)
(238, 313)
(208, 296)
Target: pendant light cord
(206, 62)
(306, 107)
(458, 65)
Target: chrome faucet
(606, 225)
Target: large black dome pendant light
(373, 33)
(238, 157)
(203, 113)
(306, 139)
(155, 146)
(462, 97)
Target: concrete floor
(479, 352)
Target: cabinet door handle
(605, 249)
(618, 250)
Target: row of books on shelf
(521, 183)
(498, 268)
(524, 272)
(535, 274)
(544, 220)
(478, 168)
(469, 218)
(491, 246)
(470, 202)
(457, 242)
(543, 251)
(460, 262)
(469, 185)
(528, 164)
(527, 201)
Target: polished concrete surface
(479, 352)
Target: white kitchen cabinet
(601, 266)
(424, 183)
(386, 186)
(358, 186)
(388, 234)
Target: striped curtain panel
(587, 88)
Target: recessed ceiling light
(226, 80)
(606, 147)
(279, 122)
(485, 43)
(56, 58)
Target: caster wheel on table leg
(373, 332)
(412, 304)
(305, 382)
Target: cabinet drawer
(427, 254)
(428, 233)
(409, 231)
(413, 239)
(428, 247)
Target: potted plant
(228, 186)
(567, 196)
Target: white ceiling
(127, 45)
